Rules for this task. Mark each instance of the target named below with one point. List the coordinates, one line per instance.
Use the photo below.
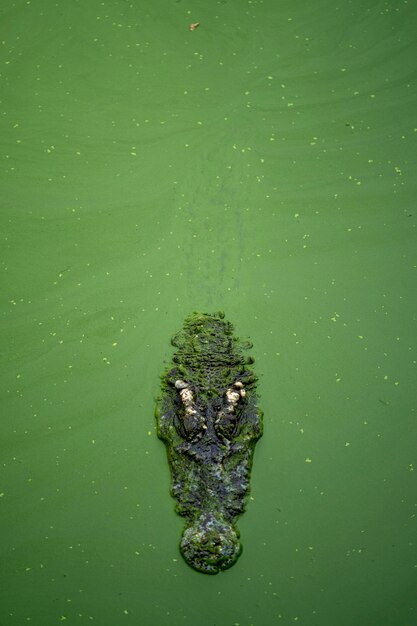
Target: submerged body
(209, 421)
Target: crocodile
(209, 420)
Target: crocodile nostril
(210, 544)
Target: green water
(263, 164)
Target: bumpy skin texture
(209, 420)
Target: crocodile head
(209, 420)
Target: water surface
(263, 164)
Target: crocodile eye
(228, 417)
(225, 425)
(190, 423)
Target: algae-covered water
(263, 164)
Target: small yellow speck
(308, 460)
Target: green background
(263, 164)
